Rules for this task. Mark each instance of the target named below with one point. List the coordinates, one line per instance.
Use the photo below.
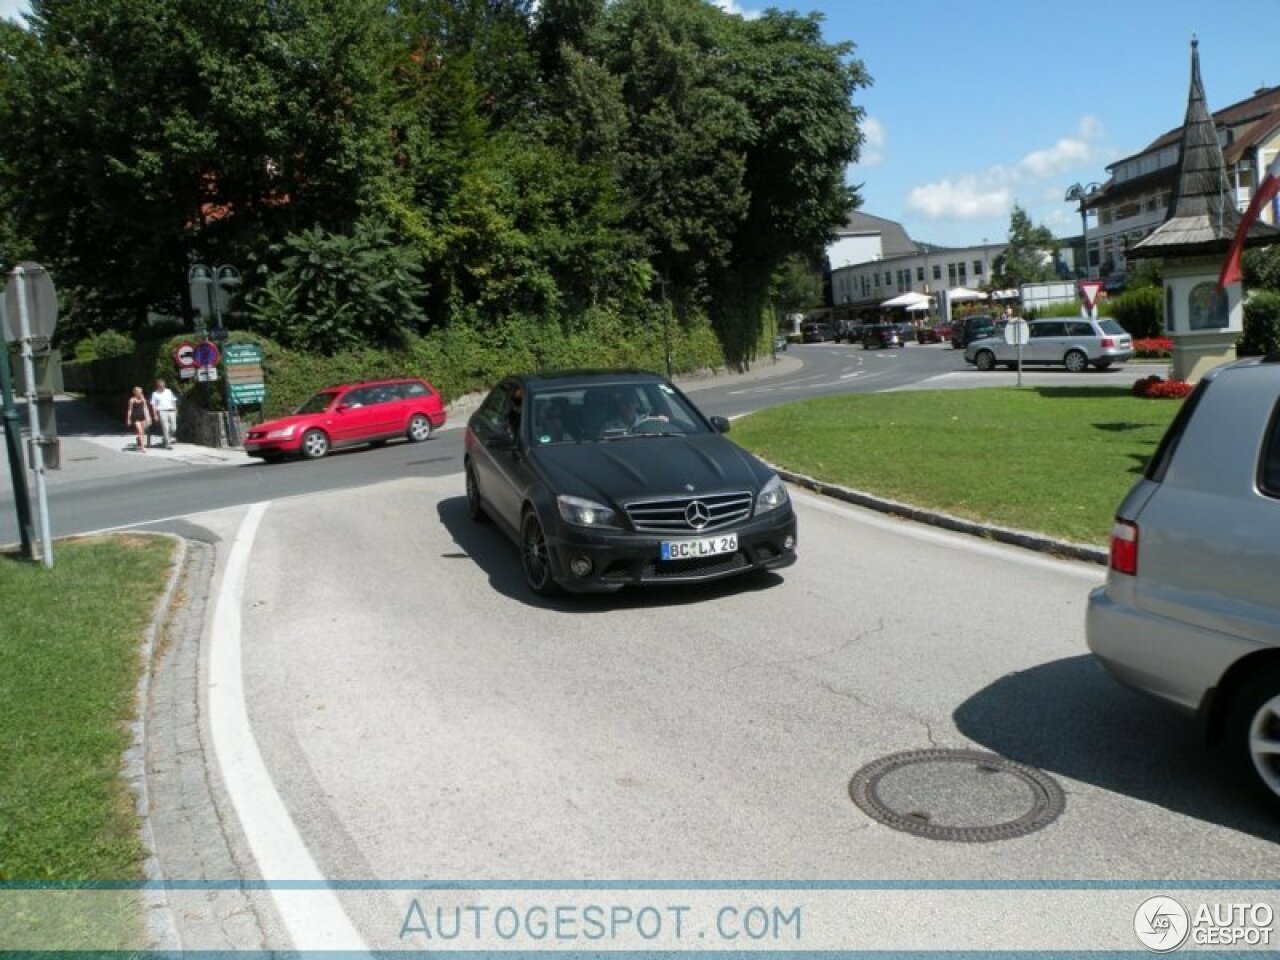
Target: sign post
(13, 445)
(31, 291)
(1018, 332)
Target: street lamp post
(1080, 193)
(214, 280)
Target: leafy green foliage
(1030, 253)
(544, 160)
(104, 346)
(1261, 324)
(335, 292)
(1140, 312)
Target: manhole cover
(963, 795)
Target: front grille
(671, 515)
(697, 567)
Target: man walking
(164, 409)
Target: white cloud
(963, 199)
(873, 147)
(988, 193)
(736, 8)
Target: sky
(980, 104)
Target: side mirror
(503, 440)
(341, 408)
(720, 424)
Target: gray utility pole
(13, 445)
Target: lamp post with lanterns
(1080, 193)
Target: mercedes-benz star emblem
(697, 514)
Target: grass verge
(1056, 460)
(69, 645)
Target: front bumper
(620, 558)
(274, 447)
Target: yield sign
(1089, 292)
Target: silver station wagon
(1074, 344)
(1191, 609)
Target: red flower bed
(1158, 348)
(1156, 388)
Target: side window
(1039, 330)
(414, 389)
(1079, 329)
(1160, 460)
(1269, 468)
(491, 410)
(356, 398)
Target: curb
(1017, 538)
(157, 911)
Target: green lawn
(69, 640)
(1057, 460)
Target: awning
(908, 300)
(1005, 295)
(919, 307)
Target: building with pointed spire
(1203, 320)
(1137, 196)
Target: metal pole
(233, 435)
(13, 444)
(37, 453)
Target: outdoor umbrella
(907, 300)
(958, 294)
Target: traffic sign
(237, 353)
(184, 355)
(1089, 290)
(42, 302)
(1017, 332)
(207, 354)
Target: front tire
(1253, 736)
(984, 360)
(315, 444)
(535, 556)
(419, 428)
(1076, 361)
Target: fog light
(580, 566)
(789, 543)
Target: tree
(1030, 253)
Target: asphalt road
(101, 486)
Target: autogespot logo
(1161, 924)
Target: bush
(1153, 348)
(1156, 388)
(1140, 312)
(1261, 324)
(106, 345)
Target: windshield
(603, 414)
(317, 404)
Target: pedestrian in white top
(164, 407)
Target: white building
(873, 260)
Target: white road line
(314, 918)
(959, 541)
(850, 376)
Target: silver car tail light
(1124, 547)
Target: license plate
(705, 547)
(250, 448)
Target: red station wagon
(372, 412)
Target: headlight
(586, 513)
(773, 495)
(284, 433)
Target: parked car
(1190, 612)
(817, 333)
(965, 330)
(780, 342)
(1074, 344)
(881, 335)
(372, 412)
(928, 334)
(608, 478)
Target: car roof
(586, 378)
(370, 383)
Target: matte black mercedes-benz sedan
(608, 478)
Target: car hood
(293, 420)
(617, 471)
